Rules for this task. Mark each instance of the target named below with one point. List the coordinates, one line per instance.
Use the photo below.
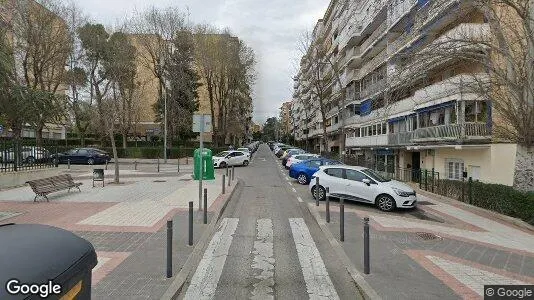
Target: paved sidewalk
(127, 225)
(452, 253)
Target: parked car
(281, 150)
(363, 185)
(89, 156)
(28, 154)
(295, 159)
(289, 153)
(245, 150)
(230, 158)
(304, 170)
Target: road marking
(318, 283)
(294, 190)
(287, 178)
(204, 282)
(289, 183)
(263, 261)
(299, 199)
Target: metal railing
(23, 155)
(451, 131)
(372, 38)
(373, 89)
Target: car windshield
(222, 154)
(375, 176)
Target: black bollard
(205, 206)
(316, 191)
(233, 173)
(341, 220)
(158, 164)
(135, 165)
(366, 266)
(227, 171)
(106, 164)
(190, 223)
(169, 248)
(223, 184)
(68, 163)
(327, 205)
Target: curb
(365, 288)
(504, 218)
(176, 286)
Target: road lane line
(204, 282)
(263, 262)
(290, 183)
(299, 199)
(318, 282)
(294, 190)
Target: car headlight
(402, 193)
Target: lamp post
(165, 126)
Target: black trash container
(40, 261)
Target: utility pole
(165, 126)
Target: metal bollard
(327, 205)
(68, 163)
(366, 267)
(229, 180)
(205, 206)
(233, 173)
(158, 164)
(227, 171)
(341, 220)
(190, 223)
(187, 160)
(223, 184)
(316, 191)
(135, 165)
(169, 248)
(178, 164)
(106, 164)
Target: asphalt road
(268, 246)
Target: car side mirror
(366, 181)
(227, 156)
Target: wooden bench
(45, 186)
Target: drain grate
(425, 203)
(160, 180)
(427, 236)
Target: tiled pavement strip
(126, 225)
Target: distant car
(281, 150)
(289, 153)
(230, 158)
(28, 154)
(245, 150)
(304, 170)
(363, 185)
(88, 156)
(295, 159)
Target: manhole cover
(425, 203)
(160, 180)
(427, 236)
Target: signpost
(201, 124)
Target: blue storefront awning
(435, 107)
(401, 118)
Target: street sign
(197, 120)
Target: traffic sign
(198, 120)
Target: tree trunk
(39, 135)
(115, 156)
(524, 169)
(124, 141)
(82, 138)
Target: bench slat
(48, 185)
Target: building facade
(393, 110)
(285, 119)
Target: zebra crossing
(205, 280)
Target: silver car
(28, 154)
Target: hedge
(496, 197)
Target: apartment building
(394, 110)
(285, 118)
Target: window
(72, 152)
(474, 172)
(384, 128)
(313, 163)
(335, 172)
(378, 129)
(374, 129)
(454, 168)
(331, 162)
(355, 175)
(238, 154)
(83, 152)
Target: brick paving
(126, 225)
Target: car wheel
(90, 161)
(302, 178)
(385, 202)
(322, 193)
(30, 160)
(222, 164)
(245, 163)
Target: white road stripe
(287, 178)
(263, 261)
(294, 190)
(318, 283)
(289, 183)
(204, 282)
(299, 199)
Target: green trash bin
(203, 164)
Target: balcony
(373, 63)
(462, 83)
(373, 37)
(333, 127)
(378, 140)
(399, 10)
(442, 133)
(373, 89)
(352, 57)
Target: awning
(401, 118)
(366, 107)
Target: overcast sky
(271, 27)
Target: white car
(363, 185)
(230, 158)
(244, 150)
(295, 159)
(28, 154)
